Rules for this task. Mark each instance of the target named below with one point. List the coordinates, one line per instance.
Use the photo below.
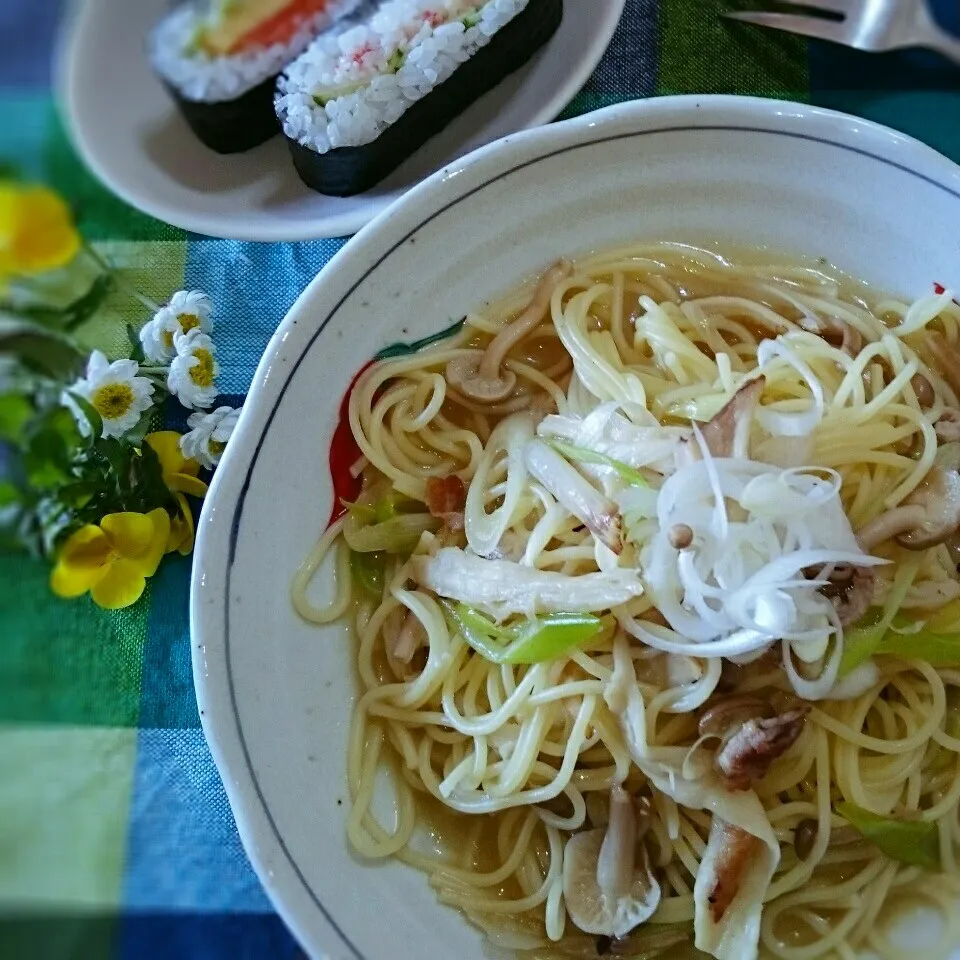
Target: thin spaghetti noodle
(696, 468)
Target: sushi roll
(220, 60)
(360, 101)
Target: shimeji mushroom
(606, 890)
(930, 515)
(480, 374)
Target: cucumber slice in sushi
(220, 59)
(356, 105)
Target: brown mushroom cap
(939, 496)
(480, 374)
(464, 373)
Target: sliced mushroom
(606, 891)
(480, 374)
(850, 590)
(842, 335)
(930, 515)
(948, 426)
(727, 434)
(751, 751)
(924, 391)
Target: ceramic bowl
(275, 693)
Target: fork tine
(792, 23)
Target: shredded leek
(863, 641)
(368, 571)
(582, 455)
(938, 649)
(531, 641)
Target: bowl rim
(219, 523)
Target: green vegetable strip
(916, 842)
(938, 649)
(465, 621)
(861, 642)
(532, 641)
(549, 637)
(582, 455)
(368, 571)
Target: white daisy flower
(193, 370)
(208, 436)
(115, 391)
(187, 310)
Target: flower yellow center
(166, 338)
(113, 400)
(201, 373)
(188, 321)
(216, 447)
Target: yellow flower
(180, 476)
(36, 230)
(112, 560)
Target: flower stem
(122, 284)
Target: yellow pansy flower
(113, 560)
(180, 476)
(36, 230)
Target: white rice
(201, 77)
(360, 91)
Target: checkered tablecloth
(116, 840)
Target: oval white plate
(275, 693)
(130, 134)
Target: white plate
(275, 693)
(128, 131)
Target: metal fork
(874, 25)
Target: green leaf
(46, 459)
(15, 411)
(916, 842)
(9, 494)
(582, 455)
(93, 419)
(40, 349)
(148, 488)
(86, 306)
(134, 436)
(136, 347)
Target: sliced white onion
(574, 492)
(484, 530)
(790, 424)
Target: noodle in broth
(729, 715)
